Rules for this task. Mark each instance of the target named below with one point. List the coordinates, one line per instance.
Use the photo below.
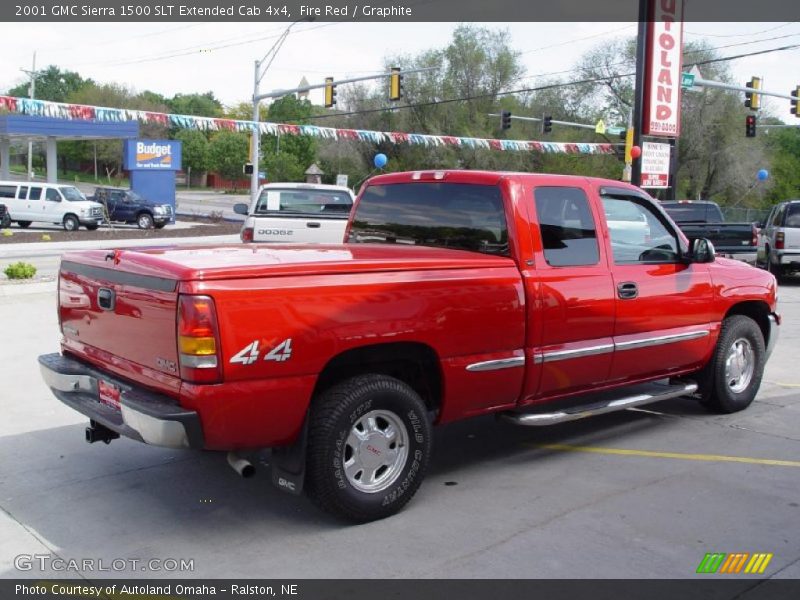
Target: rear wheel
(773, 268)
(92, 226)
(6, 222)
(71, 223)
(731, 380)
(24, 224)
(145, 221)
(368, 447)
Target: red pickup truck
(455, 294)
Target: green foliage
(784, 145)
(284, 167)
(195, 151)
(53, 84)
(227, 153)
(201, 105)
(20, 270)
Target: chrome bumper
(143, 415)
(774, 333)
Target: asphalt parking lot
(641, 493)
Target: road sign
(600, 127)
(687, 80)
(655, 165)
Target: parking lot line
(674, 455)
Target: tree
(302, 149)
(195, 153)
(199, 105)
(52, 84)
(227, 153)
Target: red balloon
(636, 152)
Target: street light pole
(32, 93)
(257, 97)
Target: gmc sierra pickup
(455, 294)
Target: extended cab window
(303, 202)
(448, 215)
(793, 215)
(638, 233)
(8, 191)
(568, 232)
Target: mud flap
(288, 464)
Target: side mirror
(241, 208)
(702, 251)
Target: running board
(605, 402)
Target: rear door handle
(312, 224)
(627, 290)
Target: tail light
(198, 340)
(779, 240)
(246, 234)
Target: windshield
(693, 212)
(72, 194)
(448, 215)
(304, 202)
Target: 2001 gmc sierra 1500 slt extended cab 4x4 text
(455, 294)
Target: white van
(31, 201)
(297, 213)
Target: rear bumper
(788, 258)
(143, 415)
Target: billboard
(160, 155)
(662, 85)
(655, 165)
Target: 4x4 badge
(250, 353)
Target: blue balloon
(763, 175)
(380, 161)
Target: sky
(171, 58)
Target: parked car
(779, 239)
(702, 218)
(297, 212)
(28, 202)
(126, 206)
(456, 294)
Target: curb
(8, 289)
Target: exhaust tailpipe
(99, 433)
(241, 465)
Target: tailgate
(124, 319)
(300, 229)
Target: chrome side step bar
(605, 402)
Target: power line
(742, 34)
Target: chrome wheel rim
(740, 365)
(144, 222)
(375, 451)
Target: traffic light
(247, 169)
(330, 93)
(750, 125)
(547, 124)
(505, 119)
(796, 93)
(751, 99)
(395, 84)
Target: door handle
(312, 224)
(627, 290)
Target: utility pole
(33, 73)
(638, 103)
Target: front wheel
(734, 374)
(368, 447)
(161, 225)
(24, 224)
(92, 226)
(144, 221)
(71, 223)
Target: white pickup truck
(297, 213)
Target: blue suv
(126, 206)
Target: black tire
(92, 227)
(334, 423)
(144, 220)
(160, 225)
(71, 223)
(721, 390)
(6, 222)
(24, 224)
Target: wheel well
(415, 364)
(143, 211)
(64, 218)
(756, 310)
